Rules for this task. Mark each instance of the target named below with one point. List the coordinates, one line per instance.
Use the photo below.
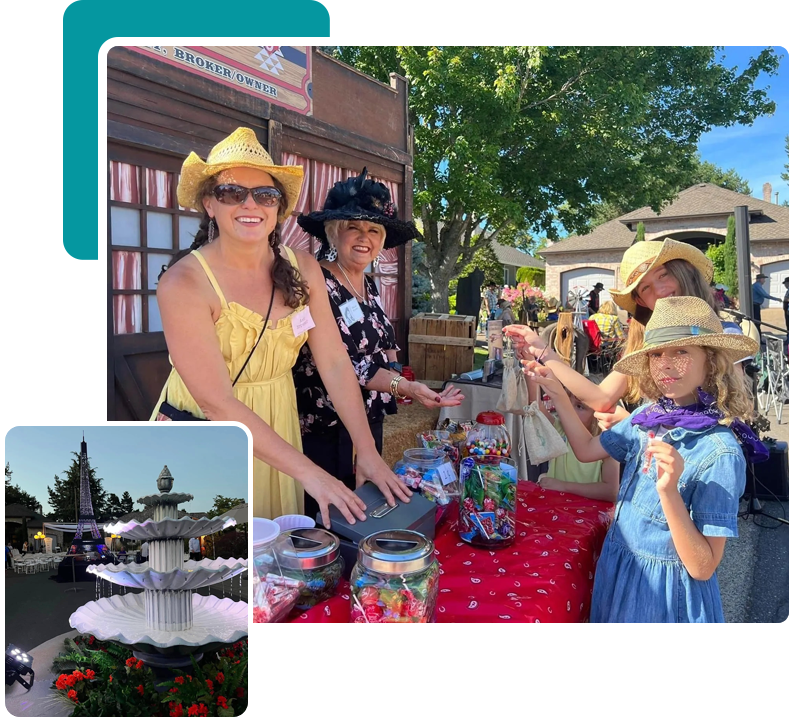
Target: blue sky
(204, 460)
(757, 151)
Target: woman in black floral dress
(358, 220)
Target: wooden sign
(280, 74)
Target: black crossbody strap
(265, 323)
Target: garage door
(586, 278)
(777, 272)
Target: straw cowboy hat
(240, 149)
(684, 321)
(642, 257)
(361, 199)
(552, 304)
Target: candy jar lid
(424, 457)
(306, 548)
(264, 531)
(396, 551)
(490, 418)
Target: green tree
(113, 507)
(716, 252)
(532, 276)
(14, 494)
(420, 283)
(127, 503)
(640, 233)
(485, 260)
(64, 495)
(706, 172)
(785, 176)
(534, 137)
(223, 504)
(730, 260)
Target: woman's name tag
(302, 321)
(351, 312)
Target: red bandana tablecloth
(545, 576)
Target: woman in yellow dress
(242, 288)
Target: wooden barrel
(439, 345)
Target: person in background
(594, 298)
(24, 549)
(9, 557)
(505, 312)
(552, 309)
(144, 551)
(491, 297)
(786, 303)
(759, 297)
(194, 549)
(608, 322)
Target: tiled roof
(609, 235)
(510, 256)
(703, 199)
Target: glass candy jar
(311, 556)
(430, 473)
(264, 534)
(440, 439)
(486, 517)
(489, 437)
(395, 578)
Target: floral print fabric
(366, 343)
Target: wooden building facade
(157, 113)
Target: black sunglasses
(233, 195)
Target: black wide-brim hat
(360, 199)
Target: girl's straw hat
(684, 321)
(240, 149)
(643, 256)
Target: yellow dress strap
(291, 256)
(211, 277)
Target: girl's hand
(325, 489)
(543, 376)
(373, 468)
(607, 419)
(450, 396)
(548, 482)
(670, 465)
(524, 339)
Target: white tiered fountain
(167, 622)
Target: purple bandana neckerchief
(701, 415)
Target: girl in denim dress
(684, 467)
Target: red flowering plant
(216, 689)
(110, 682)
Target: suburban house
(512, 259)
(698, 215)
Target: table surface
(544, 576)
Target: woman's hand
(607, 419)
(325, 489)
(450, 396)
(371, 467)
(670, 465)
(543, 376)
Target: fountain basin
(194, 575)
(123, 619)
(166, 498)
(184, 528)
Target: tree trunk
(439, 282)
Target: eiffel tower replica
(86, 516)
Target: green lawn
(480, 356)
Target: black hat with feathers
(359, 199)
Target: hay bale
(401, 429)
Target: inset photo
(126, 570)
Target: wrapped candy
(486, 515)
(430, 473)
(273, 596)
(395, 579)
